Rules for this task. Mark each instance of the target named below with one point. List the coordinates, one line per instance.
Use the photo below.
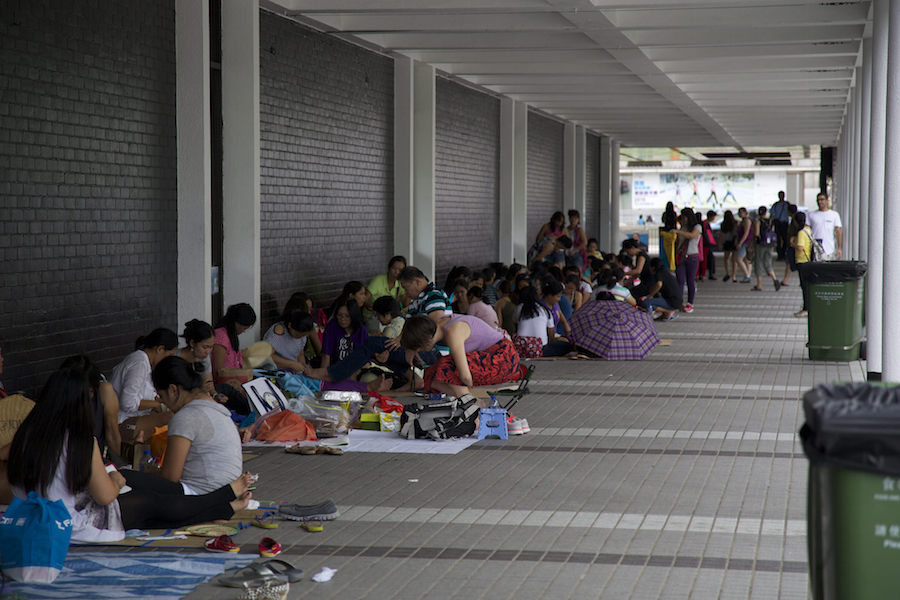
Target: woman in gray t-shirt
(204, 447)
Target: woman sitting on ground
(388, 284)
(55, 454)
(139, 408)
(343, 333)
(478, 308)
(204, 448)
(479, 353)
(536, 332)
(288, 338)
(352, 289)
(302, 301)
(505, 307)
(105, 405)
(200, 339)
(226, 352)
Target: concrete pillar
(403, 156)
(891, 268)
(864, 150)
(878, 101)
(605, 228)
(240, 156)
(573, 170)
(857, 167)
(423, 164)
(193, 160)
(513, 181)
(793, 191)
(615, 202)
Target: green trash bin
(835, 321)
(852, 439)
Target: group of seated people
(473, 331)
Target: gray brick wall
(326, 173)
(467, 175)
(592, 214)
(545, 170)
(87, 181)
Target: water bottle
(148, 463)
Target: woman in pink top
(226, 352)
(479, 354)
(477, 307)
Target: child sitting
(388, 311)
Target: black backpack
(440, 420)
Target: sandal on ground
(298, 449)
(252, 576)
(313, 526)
(329, 450)
(222, 543)
(285, 569)
(755, 289)
(266, 520)
(269, 547)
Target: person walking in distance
(780, 221)
(826, 228)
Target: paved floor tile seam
(686, 452)
(679, 385)
(694, 434)
(624, 394)
(476, 517)
(549, 556)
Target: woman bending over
(54, 453)
(479, 353)
(204, 448)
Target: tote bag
(34, 539)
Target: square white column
(240, 156)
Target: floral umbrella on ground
(613, 330)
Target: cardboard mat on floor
(240, 521)
(479, 392)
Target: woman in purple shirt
(479, 354)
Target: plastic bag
(329, 417)
(34, 536)
(853, 426)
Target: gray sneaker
(324, 511)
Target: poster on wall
(716, 191)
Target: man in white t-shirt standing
(826, 227)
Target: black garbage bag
(833, 271)
(853, 426)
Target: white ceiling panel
(735, 73)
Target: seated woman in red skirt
(479, 354)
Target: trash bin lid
(853, 426)
(833, 270)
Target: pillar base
(873, 376)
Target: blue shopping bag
(34, 539)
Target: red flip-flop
(269, 547)
(223, 543)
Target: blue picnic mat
(130, 575)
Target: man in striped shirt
(427, 299)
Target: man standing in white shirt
(826, 227)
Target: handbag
(34, 539)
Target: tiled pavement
(675, 477)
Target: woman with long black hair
(55, 454)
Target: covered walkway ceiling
(740, 73)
